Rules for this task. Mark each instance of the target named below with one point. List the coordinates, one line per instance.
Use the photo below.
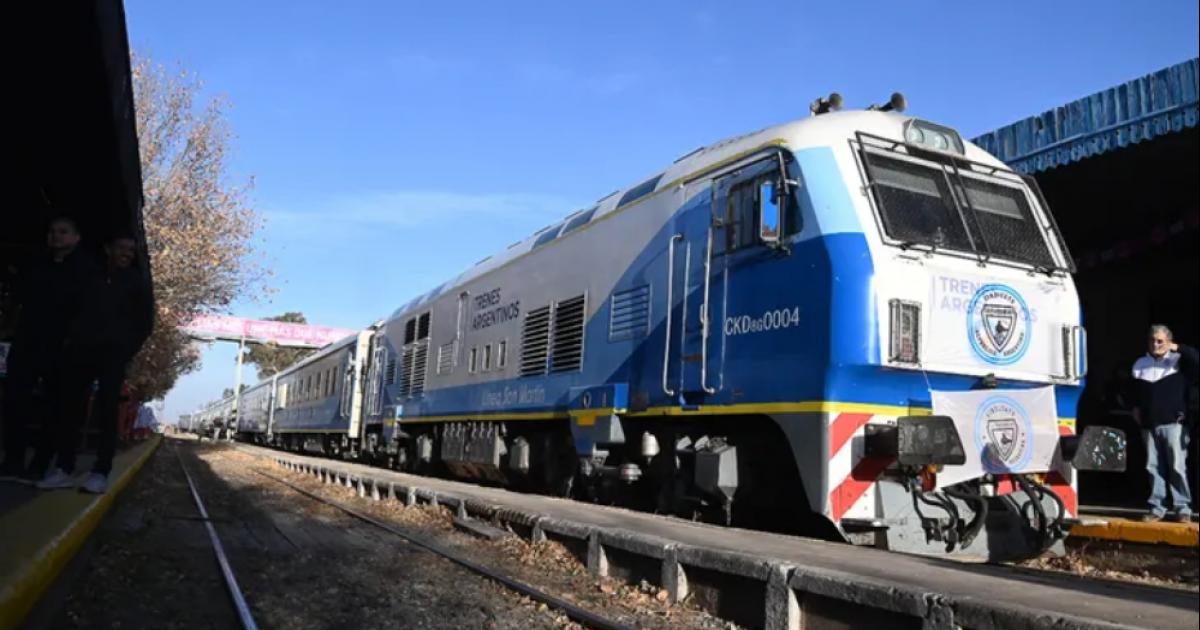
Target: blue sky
(393, 144)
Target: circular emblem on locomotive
(1003, 430)
(998, 324)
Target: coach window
(473, 361)
(501, 354)
(487, 357)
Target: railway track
(238, 599)
(572, 611)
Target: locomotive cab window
(760, 209)
(915, 204)
(936, 206)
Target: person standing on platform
(117, 322)
(147, 420)
(1162, 377)
(50, 297)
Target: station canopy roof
(1157, 104)
(71, 129)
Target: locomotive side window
(742, 211)
(742, 216)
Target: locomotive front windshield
(959, 210)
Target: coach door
(373, 393)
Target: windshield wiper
(907, 245)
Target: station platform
(1125, 525)
(40, 531)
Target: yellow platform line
(25, 586)
(1175, 534)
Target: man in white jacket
(1162, 378)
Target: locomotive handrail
(683, 310)
(704, 316)
(670, 297)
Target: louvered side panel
(629, 314)
(419, 368)
(445, 358)
(535, 339)
(567, 345)
(406, 361)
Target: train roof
(812, 131)
(321, 353)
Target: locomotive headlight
(904, 338)
(931, 136)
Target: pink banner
(282, 333)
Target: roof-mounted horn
(895, 104)
(826, 104)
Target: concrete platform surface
(1125, 525)
(1057, 599)
(40, 531)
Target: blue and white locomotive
(752, 335)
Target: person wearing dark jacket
(1161, 380)
(49, 295)
(116, 322)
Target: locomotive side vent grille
(629, 314)
(420, 361)
(412, 380)
(390, 371)
(406, 373)
(445, 358)
(567, 344)
(535, 341)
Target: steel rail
(235, 592)
(572, 611)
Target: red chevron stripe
(852, 488)
(844, 426)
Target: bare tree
(199, 225)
